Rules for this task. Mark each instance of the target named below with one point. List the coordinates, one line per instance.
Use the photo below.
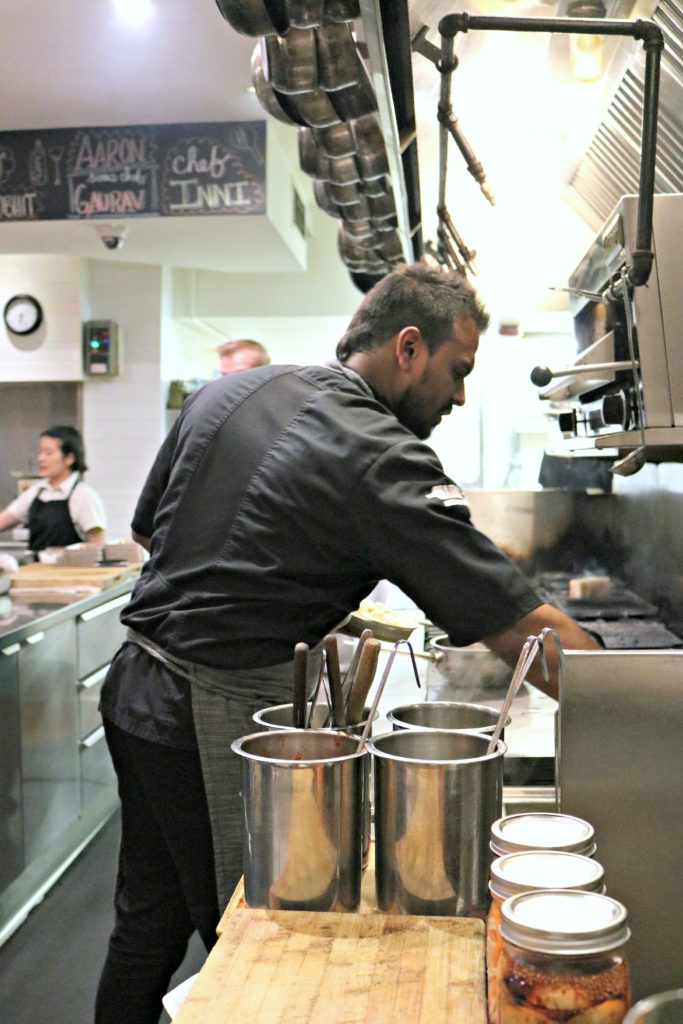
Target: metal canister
(542, 830)
(563, 958)
(522, 872)
(437, 794)
(280, 717)
(302, 796)
(443, 714)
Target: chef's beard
(410, 412)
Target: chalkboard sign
(167, 170)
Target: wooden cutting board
(37, 576)
(292, 967)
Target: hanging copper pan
(254, 17)
(339, 65)
(291, 66)
(312, 160)
(372, 154)
(344, 171)
(342, 10)
(278, 106)
(305, 13)
(355, 100)
(323, 200)
(337, 140)
(315, 109)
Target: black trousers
(166, 884)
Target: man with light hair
(241, 354)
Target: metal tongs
(532, 646)
(382, 684)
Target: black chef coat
(280, 498)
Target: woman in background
(62, 509)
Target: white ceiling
(75, 63)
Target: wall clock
(23, 314)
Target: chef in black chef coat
(61, 509)
(281, 496)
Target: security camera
(112, 235)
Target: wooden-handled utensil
(299, 694)
(365, 674)
(353, 664)
(334, 679)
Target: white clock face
(23, 314)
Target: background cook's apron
(223, 703)
(50, 524)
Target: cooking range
(621, 618)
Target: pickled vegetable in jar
(522, 872)
(542, 830)
(563, 959)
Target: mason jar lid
(542, 830)
(544, 869)
(564, 922)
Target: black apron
(50, 524)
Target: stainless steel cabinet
(11, 815)
(100, 634)
(49, 735)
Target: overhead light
(133, 12)
(586, 51)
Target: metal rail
(653, 42)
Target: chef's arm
(144, 542)
(508, 644)
(8, 519)
(95, 536)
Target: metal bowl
(355, 625)
(468, 668)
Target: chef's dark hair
(416, 295)
(71, 443)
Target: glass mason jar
(522, 872)
(563, 959)
(542, 830)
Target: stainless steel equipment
(625, 390)
(453, 716)
(436, 796)
(620, 767)
(303, 810)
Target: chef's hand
(508, 644)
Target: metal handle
(35, 639)
(102, 609)
(542, 375)
(94, 679)
(93, 738)
(12, 649)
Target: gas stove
(622, 619)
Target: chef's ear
(408, 342)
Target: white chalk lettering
(18, 207)
(191, 163)
(116, 201)
(94, 179)
(106, 153)
(195, 196)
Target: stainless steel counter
(57, 784)
(20, 617)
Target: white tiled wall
(53, 352)
(123, 416)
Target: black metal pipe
(653, 43)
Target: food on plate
(585, 587)
(378, 612)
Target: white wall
(53, 352)
(497, 439)
(123, 416)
